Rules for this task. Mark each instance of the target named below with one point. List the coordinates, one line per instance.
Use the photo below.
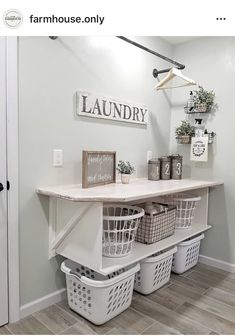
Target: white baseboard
(42, 303)
(225, 266)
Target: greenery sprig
(125, 167)
(203, 96)
(185, 129)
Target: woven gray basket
(158, 226)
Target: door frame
(13, 176)
(3, 179)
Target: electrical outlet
(149, 155)
(57, 157)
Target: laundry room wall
(210, 61)
(50, 72)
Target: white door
(3, 189)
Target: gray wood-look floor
(201, 301)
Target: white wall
(211, 62)
(50, 72)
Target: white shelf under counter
(76, 219)
(141, 251)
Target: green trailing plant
(203, 96)
(184, 129)
(125, 167)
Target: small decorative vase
(125, 178)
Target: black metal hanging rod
(138, 45)
(155, 71)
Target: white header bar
(122, 17)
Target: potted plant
(184, 132)
(204, 101)
(125, 169)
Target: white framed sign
(95, 106)
(199, 149)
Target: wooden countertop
(137, 189)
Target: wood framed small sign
(98, 168)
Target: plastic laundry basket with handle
(96, 297)
(187, 254)
(186, 205)
(154, 272)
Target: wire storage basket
(154, 272)
(158, 226)
(120, 223)
(187, 254)
(96, 297)
(186, 205)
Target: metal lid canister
(154, 169)
(176, 166)
(165, 167)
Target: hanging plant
(204, 100)
(184, 132)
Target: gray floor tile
(200, 301)
(4, 331)
(79, 328)
(221, 295)
(189, 283)
(180, 293)
(205, 268)
(160, 329)
(213, 280)
(55, 319)
(207, 319)
(168, 317)
(166, 300)
(215, 307)
(29, 326)
(130, 322)
(213, 333)
(97, 329)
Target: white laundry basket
(120, 223)
(187, 254)
(96, 297)
(186, 205)
(154, 272)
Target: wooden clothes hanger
(170, 75)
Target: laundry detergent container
(96, 297)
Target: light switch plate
(149, 155)
(57, 157)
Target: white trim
(12, 171)
(42, 303)
(3, 194)
(225, 266)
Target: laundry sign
(95, 106)
(199, 149)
